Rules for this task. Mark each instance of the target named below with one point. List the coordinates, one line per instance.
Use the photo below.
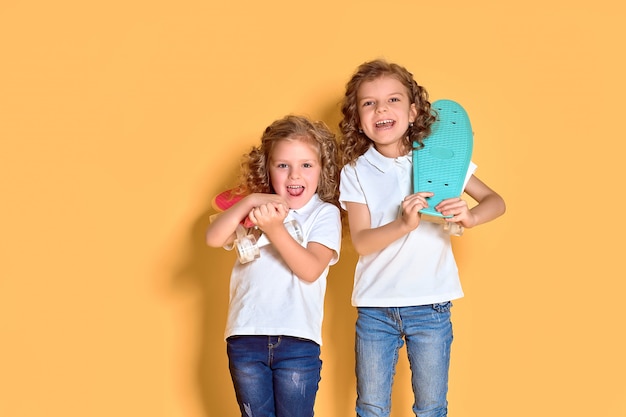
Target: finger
(265, 209)
(452, 206)
(282, 209)
(251, 216)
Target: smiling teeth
(384, 122)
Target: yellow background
(120, 120)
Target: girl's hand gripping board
(248, 244)
(441, 165)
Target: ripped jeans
(380, 333)
(274, 376)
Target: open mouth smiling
(295, 190)
(387, 123)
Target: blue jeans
(380, 333)
(274, 376)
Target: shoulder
(317, 207)
(326, 210)
(352, 169)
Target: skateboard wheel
(247, 249)
(295, 230)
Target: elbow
(310, 279)
(208, 239)
(502, 207)
(213, 242)
(494, 207)
(361, 249)
(215, 239)
(310, 276)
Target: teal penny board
(441, 165)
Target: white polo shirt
(417, 269)
(266, 298)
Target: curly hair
(354, 142)
(255, 176)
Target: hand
(411, 205)
(255, 200)
(458, 209)
(268, 216)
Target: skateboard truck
(453, 229)
(249, 242)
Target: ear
(412, 113)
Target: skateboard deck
(441, 165)
(225, 200)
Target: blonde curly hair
(255, 176)
(354, 142)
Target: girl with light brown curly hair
(406, 275)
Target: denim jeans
(274, 376)
(380, 333)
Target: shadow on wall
(337, 394)
(205, 272)
(338, 386)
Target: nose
(294, 172)
(381, 107)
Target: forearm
(221, 231)
(307, 263)
(368, 241)
(489, 208)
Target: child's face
(295, 169)
(385, 111)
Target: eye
(394, 99)
(307, 165)
(281, 165)
(368, 103)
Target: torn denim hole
(442, 307)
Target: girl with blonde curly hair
(274, 324)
